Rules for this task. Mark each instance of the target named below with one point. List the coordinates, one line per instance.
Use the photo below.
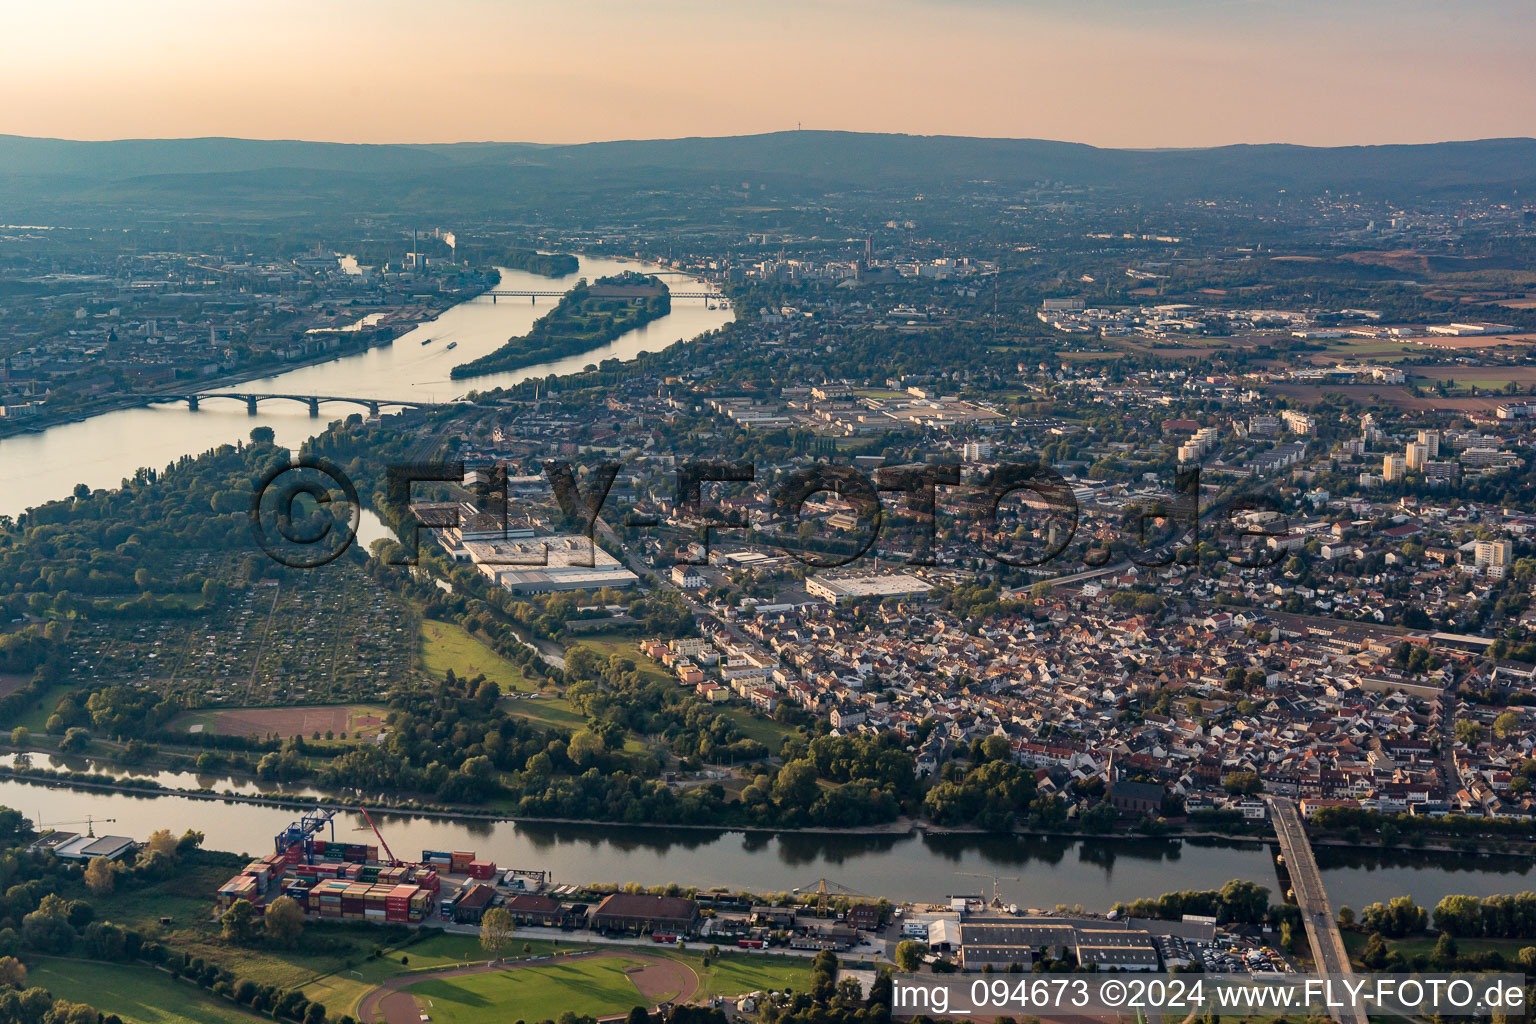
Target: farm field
(1386, 394)
(139, 995)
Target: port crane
(303, 831)
(394, 861)
(823, 887)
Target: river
(1032, 871)
(102, 450)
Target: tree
(496, 929)
(101, 875)
(75, 741)
(1346, 917)
(909, 954)
(13, 972)
(47, 929)
(1245, 783)
(263, 435)
(1101, 817)
(238, 922)
(21, 736)
(285, 921)
(1506, 725)
(163, 842)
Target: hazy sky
(1107, 72)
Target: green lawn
(555, 712)
(586, 987)
(736, 974)
(445, 646)
(1415, 945)
(765, 730)
(136, 994)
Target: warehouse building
(642, 912)
(531, 908)
(472, 905)
(1009, 941)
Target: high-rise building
(1393, 467)
(1298, 422)
(1493, 557)
(1417, 456)
(1431, 439)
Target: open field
(1387, 394)
(445, 645)
(1487, 377)
(136, 994)
(356, 721)
(1416, 945)
(11, 682)
(734, 975)
(598, 987)
(765, 730)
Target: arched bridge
(535, 295)
(194, 401)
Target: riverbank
(117, 403)
(903, 827)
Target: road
(1328, 952)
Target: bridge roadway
(1328, 952)
(194, 400)
(496, 293)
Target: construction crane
(89, 823)
(394, 861)
(997, 900)
(823, 888)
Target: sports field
(586, 987)
(136, 994)
(356, 721)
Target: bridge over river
(1328, 952)
(252, 400)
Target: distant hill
(99, 170)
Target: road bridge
(1328, 952)
(195, 400)
(535, 295)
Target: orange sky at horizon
(1135, 73)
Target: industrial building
(642, 912)
(842, 589)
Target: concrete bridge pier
(192, 402)
(373, 408)
(314, 407)
(250, 405)
(493, 300)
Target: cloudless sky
(1136, 73)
